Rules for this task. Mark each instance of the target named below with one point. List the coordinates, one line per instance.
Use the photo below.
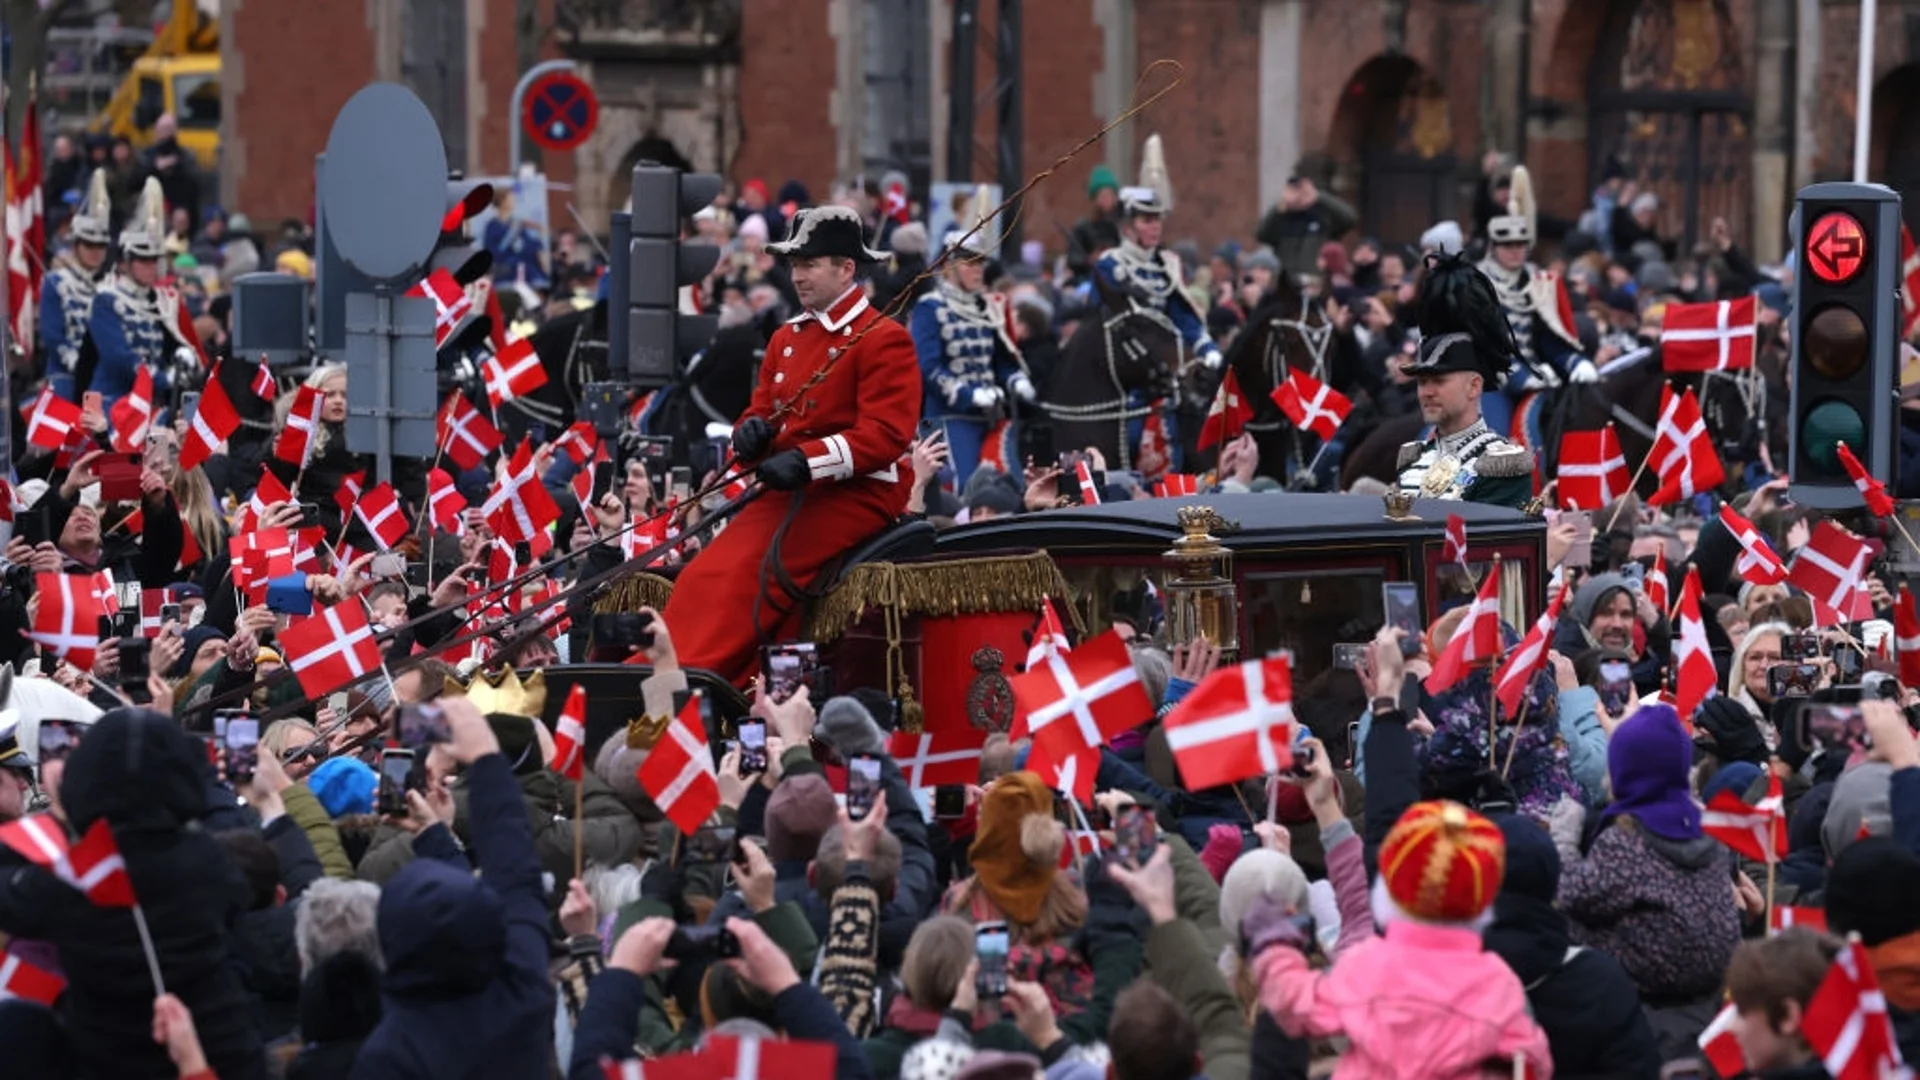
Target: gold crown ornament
(504, 691)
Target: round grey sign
(383, 186)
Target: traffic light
(659, 263)
(1846, 341)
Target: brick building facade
(1723, 107)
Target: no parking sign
(560, 111)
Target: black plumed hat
(1462, 327)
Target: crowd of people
(1441, 888)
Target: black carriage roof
(1266, 521)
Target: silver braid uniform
(1514, 289)
(75, 286)
(969, 326)
(1447, 466)
(1143, 274)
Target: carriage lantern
(1200, 594)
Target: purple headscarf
(1647, 761)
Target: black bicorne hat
(826, 231)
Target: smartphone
(422, 725)
(863, 785)
(1350, 655)
(243, 749)
(700, 944)
(949, 802)
(1401, 601)
(753, 747)
(1615, 686)
(396, 767)
(58, 738)
(388, 564)
(1353, 742)
(1840, 728)
(135, 656)
(623, 630)
(1848, 664)
(1038, 440)
(309, 515)
(169, 613)
(1792, 680)
(1580, 555)
(190, 404)
(602, 481)
(1303, 758)
(990, 946)
(784, 669)
(1804, 646)
(337, 701)
(1134, 835)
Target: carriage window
(1308, 613)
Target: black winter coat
(146, 777)
(1586, 1003)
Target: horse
(1629, 398)
(1118, 363)
(1288, 331)
(715, 388)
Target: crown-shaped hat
(1443, 863)
(504, 691)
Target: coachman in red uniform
(832, 460)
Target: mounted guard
(66, 303)
(968, 360)
(135, 319)
(1150, 336)
(1537, 308)
(1466, 349)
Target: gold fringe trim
(951, 587)
(634, 592)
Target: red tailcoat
(854, 428)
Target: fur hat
(826, 231)
(1443, 863)
(799, 813)
(1257, 873)
(849, 727)
(1016, 849)
(1462, 327)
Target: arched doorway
(1895, 156)
(1393, 121)
(652, 147)
(1669, 105)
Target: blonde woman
(200, 513)
(331, 462)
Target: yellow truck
(178, 75)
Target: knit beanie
(799, 813)
(1224, 845)
(1016, 849)
(1443, 863)
(1100, 177)
(849, 727)
(1260, 872)
(344, 786)
(1861, 800)
(935, 1059)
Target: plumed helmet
(90, 223)
(145, 234)
(973, 237)
(1516, 226)
(1153, 172)
(1462, 327)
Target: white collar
(826, 319)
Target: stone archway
(652, 147)
(1392, 130)
(1894, 154)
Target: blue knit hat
(344, 786)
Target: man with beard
(1611, 611)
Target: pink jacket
(1421, 1003)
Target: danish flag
(68, 618)
(444, 501)
(1593, 470)
(1516, 674)
(132, 415)
(1758, 832)
(151, 601)
(1683, 454)
(263, 385)
(1656, 583)
(1871, 490)
(258, 557)
(51, 419)
(520, 507)
(295, 444)
(1174, 485)
(895, 204)
(19, 979)
(929, 760)
(1476, 638)
(1692, 655)
(1048, 635)
(570, 735)
(1237, 723)
(1312, 405)
(1089, 491)
(1228, 417)
(579, 441)
(330, 649)
(1829, 570)
(678, 773)
(93, 865)
(1758, 563)
(1787, 916)
(103, 593)
(514, 371)
(1721, 1045)
(1906, 638)
(450, 302)
(1456, 540)
(212, 422)
(1074, 702)
(380, 511)
(1846, 1021)
(1152, 460)
(349, 490)
(1069, 771)
(749, 1057)
(1909, 284)
(465, 435)
(1718, 335)
(268, 493)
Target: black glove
(785, 471)
(751, 438)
